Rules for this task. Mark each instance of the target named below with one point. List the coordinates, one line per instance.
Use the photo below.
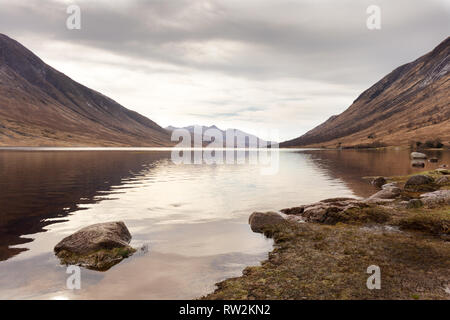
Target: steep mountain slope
(410, 104)
(41, 106)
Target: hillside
(410, 104)
(40, 106)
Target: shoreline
(323, 250)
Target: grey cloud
(290, 43)
(214, 115)
(325, 41)
(254, 109)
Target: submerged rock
(379, 182)
(420, 182)
(260, 220)
(418, 155)
(418, 163)
(98, 247)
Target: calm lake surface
(191, 218)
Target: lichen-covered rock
(295, 218)
(98, 247)
(345, 210)
(294, 210)
(379, 182)
(418, 155)
(443, 181)
(436, 198)
(419, 183)
(443, 171)
(387, 193)
(389, 185)
(402, 204)
(260, 220)
(317, 212)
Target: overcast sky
(247, 64)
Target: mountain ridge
(409, 104)
(40, 106)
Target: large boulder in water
(418, 163)
(419, 183)
(418, 155)
(98, 247)
(260, 220)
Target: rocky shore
(322, 250)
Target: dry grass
(312, 261)
(317, 261)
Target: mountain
(40, 106)
(251, 141)
(410, 104)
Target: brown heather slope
(40, 106)
(410, 104)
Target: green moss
(434, 221)
(123, 252)
(363, 215)
(402, 179)
(100, 260)
(330, 262)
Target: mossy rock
(420, 183)
(98, 247)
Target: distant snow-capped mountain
(251, 141)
